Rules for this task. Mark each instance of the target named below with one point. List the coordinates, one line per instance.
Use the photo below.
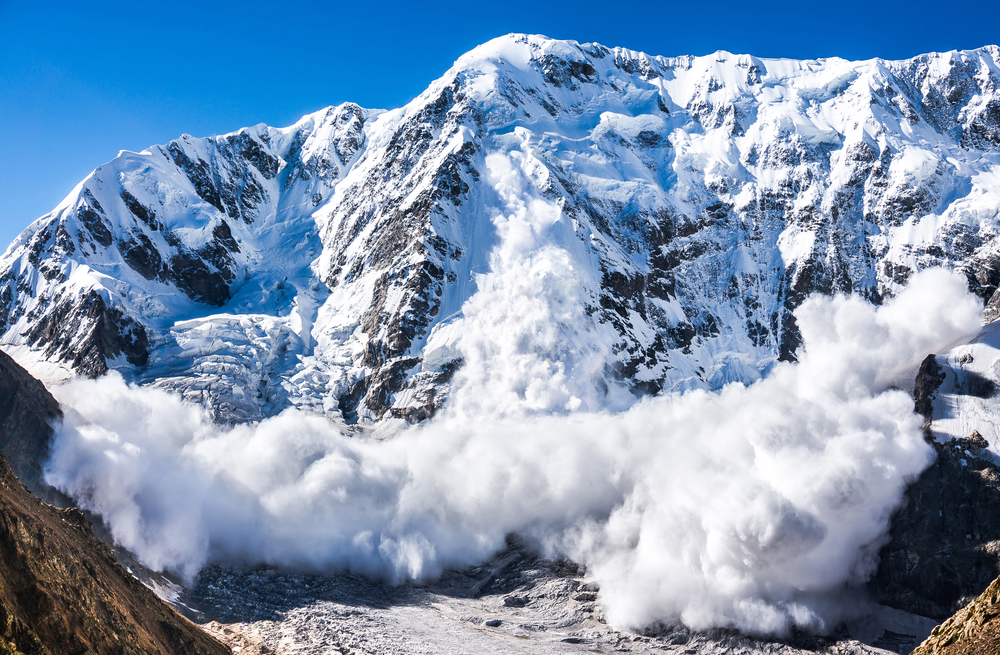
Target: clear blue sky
(80, 81)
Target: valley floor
(516, 603)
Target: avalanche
(753, 507)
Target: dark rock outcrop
(929, 378)
(88, 331)
(27, 411)
(944, 541)
(944, 546)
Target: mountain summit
(605, 223)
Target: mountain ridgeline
(691, 203)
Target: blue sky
(81, 81)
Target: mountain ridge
(343, 251)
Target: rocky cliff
(27, 411)
(974, 629)
(61, 589)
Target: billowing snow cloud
(749, 507)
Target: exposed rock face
(690, 203)
(973, 629)
(62, 591)
(27, 411)
(928, 380)
(945, 540)
(944, 546)
(87, 333)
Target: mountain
(61, 589)
(644, 222)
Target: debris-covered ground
(516, 603)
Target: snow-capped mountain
(581, 213)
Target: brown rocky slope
(61, 590)
(973, 630)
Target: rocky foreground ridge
(667, 213)
(974, 629)
(61, 589)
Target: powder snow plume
(751, 507)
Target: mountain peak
(336, 264)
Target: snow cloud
(749, 507)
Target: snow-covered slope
(963, 396)
(566, 226)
